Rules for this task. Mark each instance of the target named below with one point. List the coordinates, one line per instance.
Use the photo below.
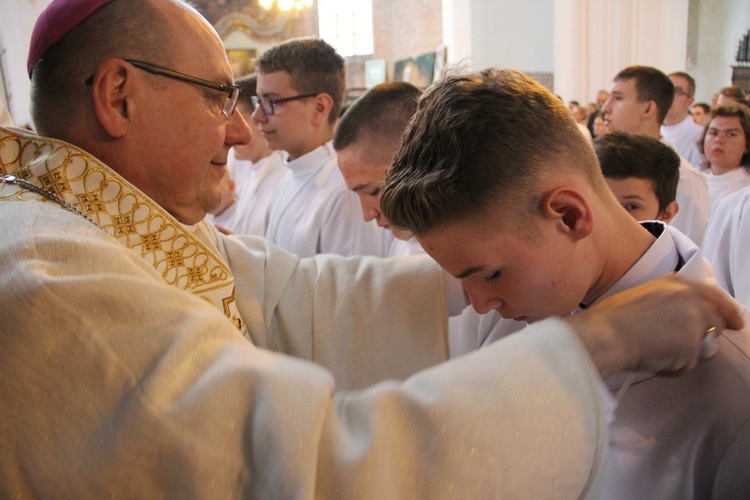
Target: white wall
(513, 34)
(457, 30)
(720, 25)
(17, 18)
(595, 39)
(506, 33)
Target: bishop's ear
(111, 90)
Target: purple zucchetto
(55, 22)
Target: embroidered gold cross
(91, 202)
(55, 182)
(123, 225)
(150, 242)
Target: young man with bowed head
(678, 125)
(366, 138)
(638, 103)
(642, 173)
(501, 189)
(300, 89)
(125, 370)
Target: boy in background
(300, 89)
(256, 168)
(642, 173)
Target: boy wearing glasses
(300, 89)
(123, 374)
(679, 125)
(256, 169)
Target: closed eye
(493, 276)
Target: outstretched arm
(657, 326)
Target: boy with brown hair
(501, 189)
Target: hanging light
(285, 5)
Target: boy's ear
(669, 212)
(111, 89)
(651, 110)
(323, 105)
(571, 210)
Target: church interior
(573, 47)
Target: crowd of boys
(147, 353)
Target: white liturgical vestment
(119, 380)
(692, 196)
(725, 184)
(671, 437)
(686, 136)
(400, 248)
(681, 437)
(256, 185)
(314, 212)
(727, 244)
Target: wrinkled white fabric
(686, 136)
(727, 244)
(682, 437)
(725, 184)
(116, 383)
(256, 185)
(314, 212)
(692, 196)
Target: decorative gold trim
(118, 208)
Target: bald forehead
(192, 30)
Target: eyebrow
(360, 187)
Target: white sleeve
(118, 384)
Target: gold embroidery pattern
(120, 209)
(54, 182)
(123, 225)
(228, 303)
(91, 202)
(150, 242)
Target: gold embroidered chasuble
(121, 210)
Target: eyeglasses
(679, 91)
(232, 91)
(269, 105)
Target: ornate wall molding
(268, 26)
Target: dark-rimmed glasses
(232, 91)
(679, 91)
(268, 104)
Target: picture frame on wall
(374, 72)
(419, 71)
